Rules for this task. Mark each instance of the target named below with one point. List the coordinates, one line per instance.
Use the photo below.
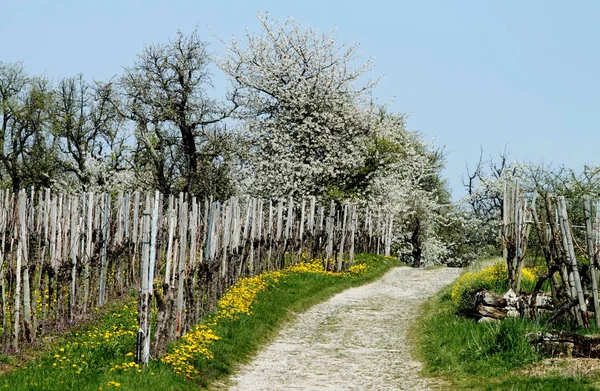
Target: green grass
(487, 356)
(86, 359)
(484, 263)
(94, 357)
(435, 267)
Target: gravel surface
(354, 341)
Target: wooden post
(18, 275)
(279, 220)
(343, 225)
(369, 225)
(253, 228)
(127, 215)
(504, 228)
(311, 229)
(544, 238)
(288, 228)
(589, 230)
(517, 236)
(568, 239)
(144, 310)
(135, 229)
(172, 220)
(66, 222)
(269, 237)
(354, 222)
(236, 220)
(120, 219)
(23, 267)
(525, 216)
(183, 215)
(259, 235)
(330, 222)
(6, 329)
(103, 255)
(26, 226)
(290, 218)
(74, 253)
(150, 273)
(193, 226)
(59, 221)
(88, 251)
(301, 232)
(214, 240)
(227, 236)
(210, 243)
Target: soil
(357, 340)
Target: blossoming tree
(304, 110)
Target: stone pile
(491, 307)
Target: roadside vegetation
(487, 356)
(100, 356)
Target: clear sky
(525, 74)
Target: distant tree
(165, 95)
(27, 149)
(304, 110)
(90, 134)
(484, 185)
(429, 203)
(402, 174)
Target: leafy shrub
(493, 278)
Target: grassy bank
(101, 356)
(483, 356)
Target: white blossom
(299, 96)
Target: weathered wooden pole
(269, 237)
(74, 252)
(388, 237)
(525, 216)
(144, 310)
(591, 250)
(568, 239)
(343, 223)
(172, 221)
(253, 227)
(104, 253)
(301, 232)
(329, 250)
(150, 274)
(183, 217)
(88, 251)
(22, 273)
(545, 240)
(353, 226)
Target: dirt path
(354, 341)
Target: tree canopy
(298, 120)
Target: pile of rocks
(491, 307)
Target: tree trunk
(417, 250)
(189, 146)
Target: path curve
(354, 341)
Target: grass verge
(483, 356)
(101, 356)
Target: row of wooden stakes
(63, 254)
(572, 282)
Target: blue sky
(489, 74)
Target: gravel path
(354, 341)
